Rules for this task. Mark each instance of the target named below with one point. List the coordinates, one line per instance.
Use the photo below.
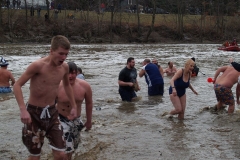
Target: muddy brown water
(133, 131)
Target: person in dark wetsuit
(178, 84)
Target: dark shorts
(127, 95)
(224, 94)
(5, 90)
(71, 131)
(157, 89)
(33, 134)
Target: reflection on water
(133, 130)
(127, 107)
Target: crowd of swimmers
(180, 81)
(53, 109)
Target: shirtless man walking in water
(223, 85)
(71, 128)
(39, 115)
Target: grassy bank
(91, 27)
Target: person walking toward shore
(72, 128)
(5, 77)
(127, 81)
(39, 115)
(177, 90)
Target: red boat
(230, 48)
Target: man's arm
(219, 70)
(121, 83)
(69, 92)
(89, 106)
(141, 73)
(17, 88)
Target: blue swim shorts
(5, 90)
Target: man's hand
(25, 117)
(73, 114)
(88, 126)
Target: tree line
(218, 11)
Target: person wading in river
(72, 128)
(39, 115)
(127, 81)
(177, 90)
(223, 87)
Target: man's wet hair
(130, 59)
(60, 41)
(72, 67)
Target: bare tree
(153, 20)
(47, 3)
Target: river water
(135, 131)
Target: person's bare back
(228, 78)
(5, 77)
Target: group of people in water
(128, 84)
(180, 81)
(53, 109)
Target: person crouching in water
(177, 90)
(223, 87)
(5, 77)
